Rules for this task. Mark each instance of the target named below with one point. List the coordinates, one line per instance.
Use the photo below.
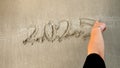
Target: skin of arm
(96, 42)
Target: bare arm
(96, 43)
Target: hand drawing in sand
(62, 30)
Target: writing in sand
(62, 30)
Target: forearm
(96, 43)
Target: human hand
(99, 25)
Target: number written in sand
(62, 30)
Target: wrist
(96, 30)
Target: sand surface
(55, 33)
